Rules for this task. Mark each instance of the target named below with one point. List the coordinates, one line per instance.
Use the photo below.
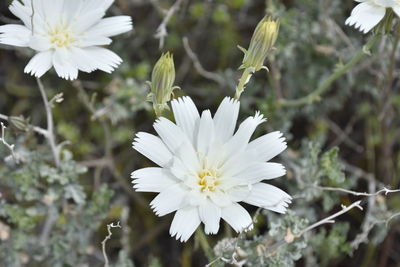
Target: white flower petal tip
(206, 168)
(366, 15)
(67, 34)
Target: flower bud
(262, 42)
(162, 82)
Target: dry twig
(162, 32)
(108, 237)
(196, 62)
(10, 147)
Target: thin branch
(355, 193)
(316, 95)
(343, 135)
(108, 159)
(363, 236)
(10, 147)
(108, 237)
(162, 32)
(196, 62)
(37, 129)
(326, 220)
(330, 218)
(50, 123)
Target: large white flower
(67, 35)
(369, 13)
(206, 169)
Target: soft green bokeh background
(348, 139)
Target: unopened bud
(261, 44)
(162, 82)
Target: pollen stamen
(61, 37)
(208, 180)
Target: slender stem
(103, 243)
(330, 218)
(201, 237)
(243, 81)
(338, 189)
(197, 65)
(37, 129)
(50, 124)
(10, 147)
(108, 147)
(315, 95)
(157, 110)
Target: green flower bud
(261, 44)
(162, 82)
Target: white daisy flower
(369, 13)
(67, 34)
(206, 169)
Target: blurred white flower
(206, 169)
(369, 13)
(67, 35)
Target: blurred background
(347, 137)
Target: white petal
(221, 199)
(93, 40)
(184, 224)
(170, 133)
(268, 197)
(268, 146)
(23, 12)
(39, 43)
(52, 9)
(102, 58)
(396, 10)
(81, 60)
(111, 26)
(225, 119)
(87, 20)
(186, 115)
(63, 64)
(188, 157)
(152, 148)
(241, 138)
(205, 135)
(89, 5)
(179, 170)
(366, 16)
(152, 179)
(72, 9)
(40, 64)
(239, 193)
(259, 171)
(13, 34)
(237, 217)
(237, 162)
(210, 215)
(169, 200)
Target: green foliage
(333, 245)
(347, 138)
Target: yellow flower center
(61, 37)
(208, 180)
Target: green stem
(157, 110)
(243, 81)
(315, 95)
(202, 239)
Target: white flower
(369, 13)
(67, 35)
(206, 169)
